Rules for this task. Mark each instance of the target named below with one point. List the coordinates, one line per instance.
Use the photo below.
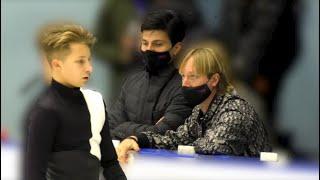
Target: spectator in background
(118, 39)
(261, 36)
(298, 103)
(221, 122)
(151, 99)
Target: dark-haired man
(151, 99)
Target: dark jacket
(261, 35)
(144, 99)
(230, 126)
(63, 141)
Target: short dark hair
(168, 21)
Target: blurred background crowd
(271, 46)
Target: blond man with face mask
(220, 123)
(67, 135)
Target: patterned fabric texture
(230, 126)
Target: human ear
(214, 80)
(176, 48)
(55, 64)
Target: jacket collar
(163, 72)
(215, 103)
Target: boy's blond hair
(207, 62)
(54, 40)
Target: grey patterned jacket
(230, 126)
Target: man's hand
(124, 147)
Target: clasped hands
(124, 147)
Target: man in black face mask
(222, 122)
(152, 99)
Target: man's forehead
(154, 35)
(189, 67)
(189, 71)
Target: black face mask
(196, 95)
(155, 61)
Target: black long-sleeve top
(63, 141)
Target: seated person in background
(222, 122)
(152, 99)
(67, 135)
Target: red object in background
(4, 134)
